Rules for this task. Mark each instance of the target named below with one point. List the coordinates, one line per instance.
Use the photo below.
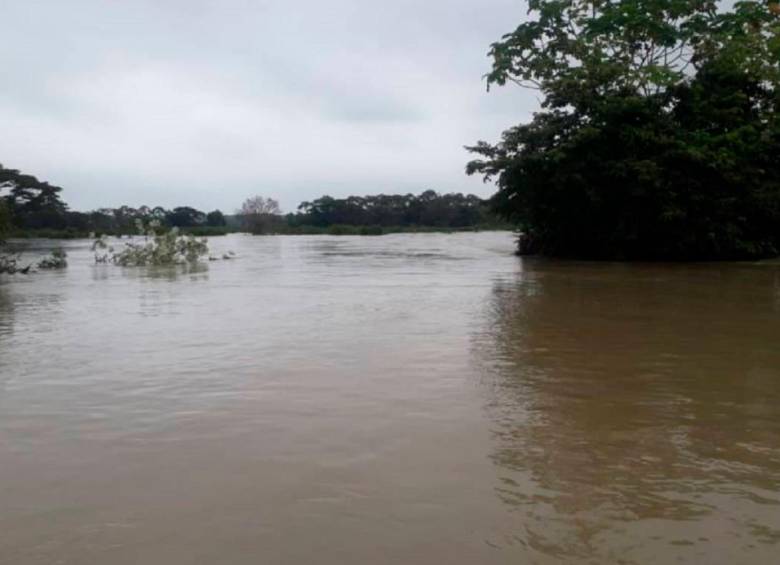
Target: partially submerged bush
(225, 256)
(57, 260)
(159, 247)
(9, 262)
(9, 265)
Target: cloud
(205, 103)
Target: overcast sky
(203, 103)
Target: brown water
(391, 400)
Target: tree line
(429, 208)
(34, 207)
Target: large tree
(259, 214)
(658, 134)
(32, 203)
(216, 219)
(185, 217)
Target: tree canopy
(258, 214)
(32, 202)
(216, 219)
(429, 208)
(658, 133)
(32, 207)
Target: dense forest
(30, 207)
(658, 136)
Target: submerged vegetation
(9, 264)
(658, 135)
(160, 246)
(58, 259)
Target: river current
(410, 398)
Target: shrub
(159, 247)
(339, 229)
(57, 260)
(370, 230)
(9, 264)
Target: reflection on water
(637, 410)
(417, 398)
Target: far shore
(213, 231)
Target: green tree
(429, 209)
(216, 219)
(5, 220)
(185, 217)
(657, 136)
(33, 203)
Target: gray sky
(204, 103)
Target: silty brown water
(400, 399)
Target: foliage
(360, 215)
(215, 219)
(5, 220)
(57, 260)
(341, 229)
(426, 209)
(370, 230)
(9, 264)
(30, 202)
(258, 205)
(258, 214)
(159, 247)
(185, 217)
(658, 133)
(34, 203)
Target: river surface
(404, 399)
